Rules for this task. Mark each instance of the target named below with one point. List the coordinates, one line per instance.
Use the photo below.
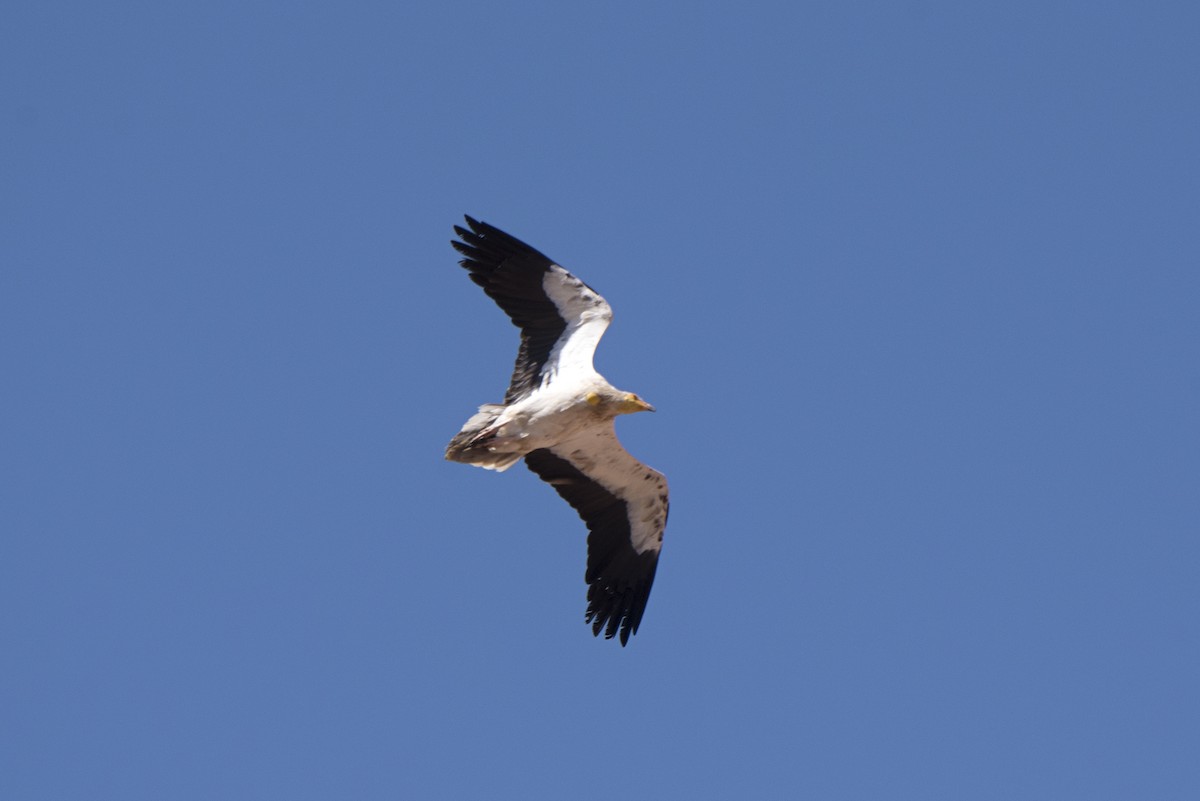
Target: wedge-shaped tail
(472, 445)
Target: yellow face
(632, 403)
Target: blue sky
(914, 287)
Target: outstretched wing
(561, 318)
(625, 506)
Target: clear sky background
(914, 286)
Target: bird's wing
(625, 506)
(561, 318)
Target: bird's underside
(558, 415)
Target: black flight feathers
(618, 577)
(511, 274)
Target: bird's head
(631, 403)
(616, 402)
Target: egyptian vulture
(558, 415)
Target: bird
(558, 415)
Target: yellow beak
(639, 405)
